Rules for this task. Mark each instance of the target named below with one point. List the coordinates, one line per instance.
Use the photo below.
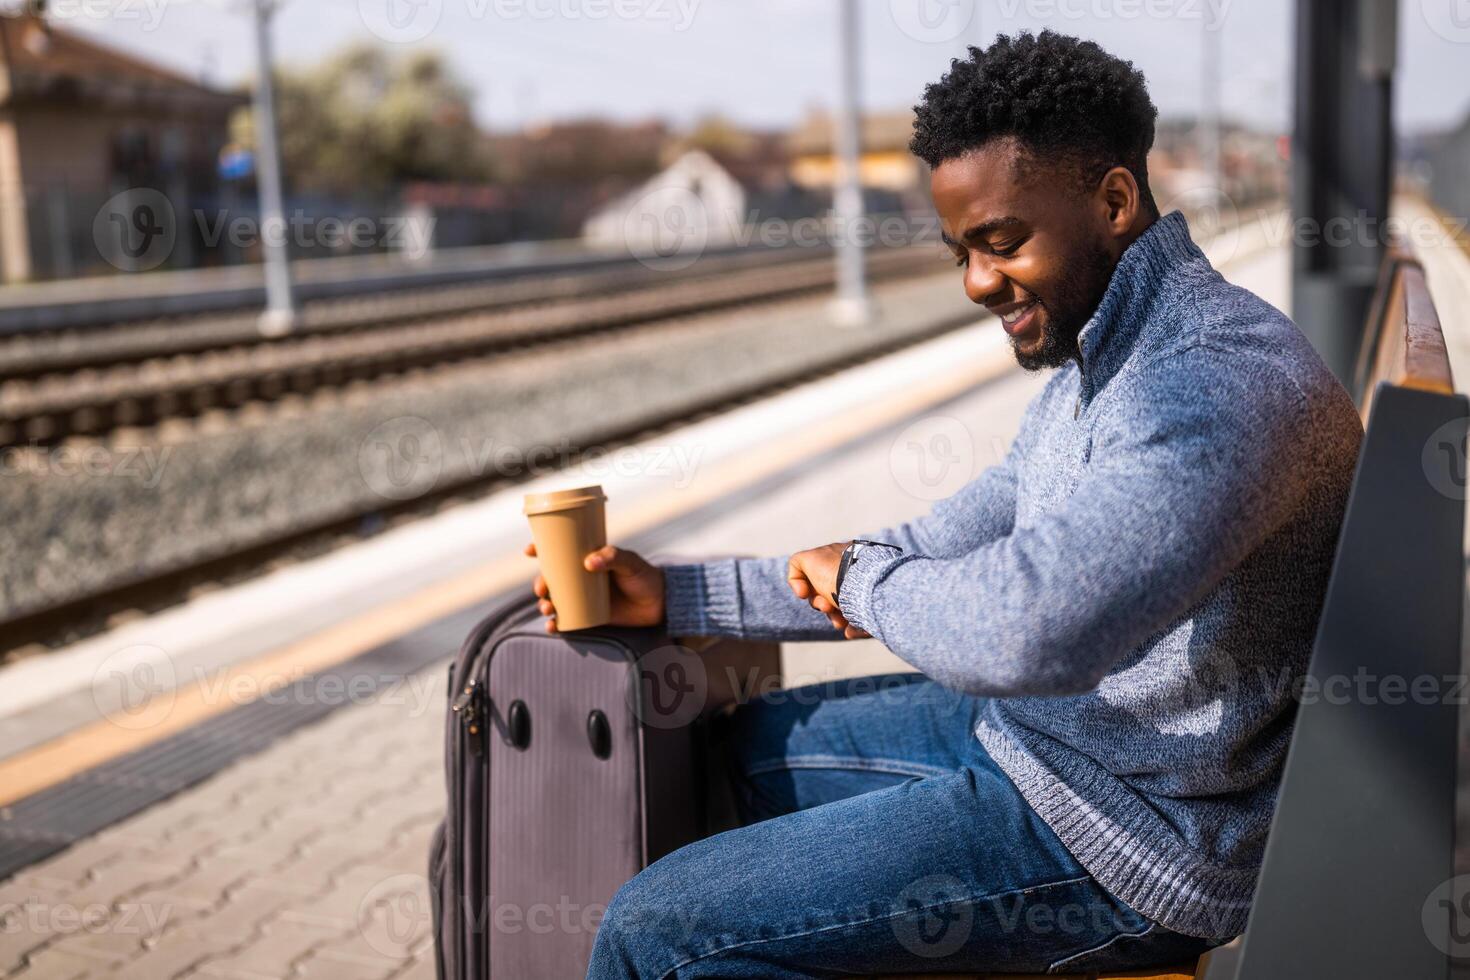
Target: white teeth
(1015, 315)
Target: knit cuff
(856, 596)
(702, 599)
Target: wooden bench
(1363, 831)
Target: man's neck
(1141, 224)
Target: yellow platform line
(96, 743)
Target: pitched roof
(41, 62)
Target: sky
(766, 63)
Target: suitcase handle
(518, 724)
(599, 734)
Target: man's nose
(982, 279)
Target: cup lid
(540, 503)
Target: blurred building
(1253, 165)
(692, 203)
(892, 177)
(80, 122)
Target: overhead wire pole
(1210, 124)
(851, 307)
(279, 316)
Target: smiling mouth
(1018, 320)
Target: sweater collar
(1112, 332)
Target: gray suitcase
(573, 761)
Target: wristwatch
(849, 554)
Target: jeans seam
(876, 918)
(856, 763)
(1102, 946)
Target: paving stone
(339, 906)
(205, 884)
(322, 967)
(19, 934)
(247, 909)
(54, 964)
(116, 882)
(270, 953)
(75, 865)
(289, 834)
(402, 810)
(201, 835)
(324, 859)
(422, 968)
(411, 850)
(157, 823)
(111, 945)
(170, 909)
(175, 952)
(304, 854)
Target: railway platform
(301, 852)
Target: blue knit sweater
(1136, 587)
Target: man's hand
(636, 587)
(812, 575)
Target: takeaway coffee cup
(566, 525)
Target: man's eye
(1006, 251)
(962, 259)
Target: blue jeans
(878, 836)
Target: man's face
(1034, 247)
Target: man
(1107, 624)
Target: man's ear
(1121, 200)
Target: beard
(1071, 305)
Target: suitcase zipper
(468, 706)
(464, 841)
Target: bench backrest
(1355, 880)
(1403, 343)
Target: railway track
(41, 353)
(68, 621)
(351, 344)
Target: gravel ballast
(79, 520)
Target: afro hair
(1063, 98)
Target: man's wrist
(850, 556)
